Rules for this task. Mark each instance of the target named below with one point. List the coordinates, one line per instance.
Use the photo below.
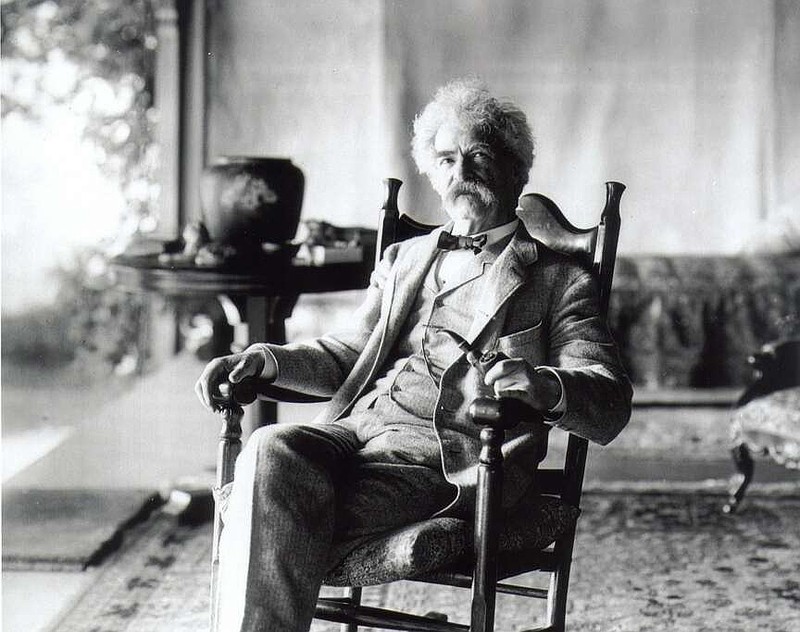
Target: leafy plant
(105, 50)
(96, 57)
(102, 321)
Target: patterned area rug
(655, 561)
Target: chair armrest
(252, 388)
(503, 413)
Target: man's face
(472, 176)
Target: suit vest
(423, 352)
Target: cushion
(771, 425)
(436, 543)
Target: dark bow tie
(448, 241)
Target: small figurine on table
(196, 248)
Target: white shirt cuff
(268, 355)
(557, 411)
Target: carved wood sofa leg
(745, 467)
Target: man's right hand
(232, 368)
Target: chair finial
(392, 190)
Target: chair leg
(354, 595)
(487, 512)
(557, 599)
(559, 584)
(230, 444)
(745, 466)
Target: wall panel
(301, 80)
(690, 103)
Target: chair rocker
(449, 551)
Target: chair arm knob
(240, 393)
(502, 413)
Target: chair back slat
(545, 221)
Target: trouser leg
(279, 526)
(377, 498)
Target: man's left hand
(515, 377)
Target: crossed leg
(298, 489)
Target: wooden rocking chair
(482, 554)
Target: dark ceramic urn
(247, 201)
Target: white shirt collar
(493, 235)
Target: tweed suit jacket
(535, 304)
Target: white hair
(469, 103)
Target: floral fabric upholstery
(688, 321)
(440, 542)
(771, 425)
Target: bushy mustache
(473, 188)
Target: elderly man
(395, 446)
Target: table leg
(266, 321)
